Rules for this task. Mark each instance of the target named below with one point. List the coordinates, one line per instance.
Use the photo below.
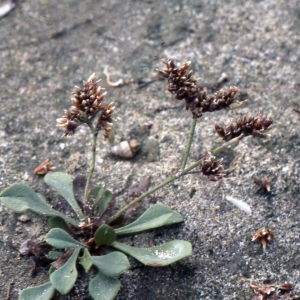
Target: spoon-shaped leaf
(102, 287)
(60, 239)
(86, 260)
(100, 196)
(112, 264)
(158, 256)
(156, 216)
(105, 235)
(63, 184)
(40, 292)
(58, 222)
(64, 278)
(20, 197)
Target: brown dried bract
(44, 168)
(273, 292)
(248, 125)
(263, 235)
(212, 167)
(286, 287)
(263, 183)
(263, 289)
(182, 84)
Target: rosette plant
(91, 237)
(86, 238)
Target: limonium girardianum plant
(87, 238)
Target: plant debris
(263, 183)
(273, 292)
(44, 168)
(263, 235)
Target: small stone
(24, 218)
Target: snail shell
(126, 149)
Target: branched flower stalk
(182, 84)
(88, 106)
(90, 233)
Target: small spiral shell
(126, 149)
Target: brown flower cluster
(272, 291)
(182, 84)
(248, 125)
(87, 103)
(212, 167)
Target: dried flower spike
(263, 183)
(263, 235)
(248, 125)
(87, 102)
(212, 167)
(44, 167)
(182, 84)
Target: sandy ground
(47, 48)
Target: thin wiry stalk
(86, 189)
(166, 182)
(189, 143)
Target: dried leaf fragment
(263, 289)
(240, 204)
(44, 168)
(263, 235)
(273, 292)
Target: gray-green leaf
(65, 277)
(63, 184)
(156, 216)
(158, 256)
(112, 264)
(40, 292)
(20, 197)
(86, 260)
(60, 239)
(102, 287)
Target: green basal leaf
(20, 197)
(156, 216)
(105, 235)
(112, 264)
(86, 260)
(96, 194)
(63, 184)
(158, 256)
(103, 204)
(41, 292)
(102, 287)
(60, 239)
(100, 196)
(58, 222)
(65, 277)
(54, 255)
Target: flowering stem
(166, 182)
(86, 189)
(189, 143)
